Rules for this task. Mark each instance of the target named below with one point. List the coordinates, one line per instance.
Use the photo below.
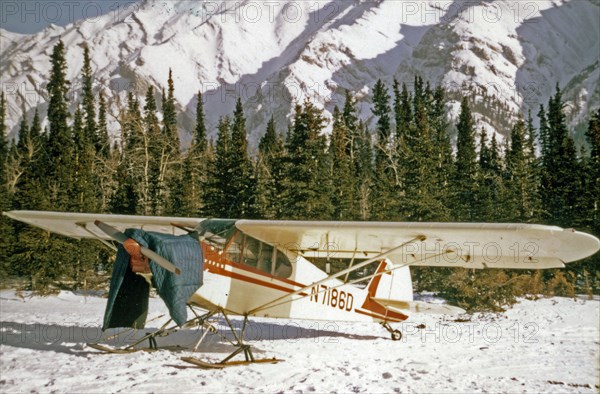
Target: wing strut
(338, 274)
(84, 227)
(350, 266)
(352, 281)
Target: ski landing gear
(199, 320)
(163, 331)
(396, 334)
(238, 343)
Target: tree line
(405, 169)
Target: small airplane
(263, 267)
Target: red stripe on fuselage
(216, 265)
(220, 259)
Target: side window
(234, 250)
(283, 267)
(251, 251)
(254, 253)
(257, 254)
(264, 258)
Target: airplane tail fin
(395, 285)
(393, 291)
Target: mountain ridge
(317, 50)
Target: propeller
(120, 237)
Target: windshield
(216, 232)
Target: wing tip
(9, 214)
(582, 245)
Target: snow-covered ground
(548, 345)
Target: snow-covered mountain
(273, 54)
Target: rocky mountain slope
(273, 54)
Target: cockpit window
(282, 266)
(257, 254)
(244, 249)
(234, 250)
(216, 232)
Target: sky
(32, 16)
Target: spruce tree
(559, 186)
(355, 149)
(592, 136)
(131, 190)
(521, 200)
(217, 191)
(3, 139)
(489, 205)
(308, 182)
(186, 195)
(199, 160)
(171, 135)
(341, 169)
(82, 189)
(24, 138)
(133, 124)
(465, 169)
(589, 207)
(418, 162)
(442, 154)
(155, 158)
(200, 134)
(105, 162)
(400, 155)
(350, 119)
(242, 184)
(404, 115)
(171, 173)
(35, 131)
(485, 203)
(270, 173)
(381, 109)
(591, 189)
(29, 190)
(59, 142)
(495, 163)
(103, 139)
(544, 133)
(386, 177)
(531, 139)
(363, 165)
(83, 198)
(7, 236)
(89, 105)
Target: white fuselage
(239, 289)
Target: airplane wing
(469, 245)
(81, 225)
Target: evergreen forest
(404, 168)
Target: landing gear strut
(238, 343)
(396, 334)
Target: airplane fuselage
(239, 289)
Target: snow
(546, 345)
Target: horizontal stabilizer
(420, 307)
